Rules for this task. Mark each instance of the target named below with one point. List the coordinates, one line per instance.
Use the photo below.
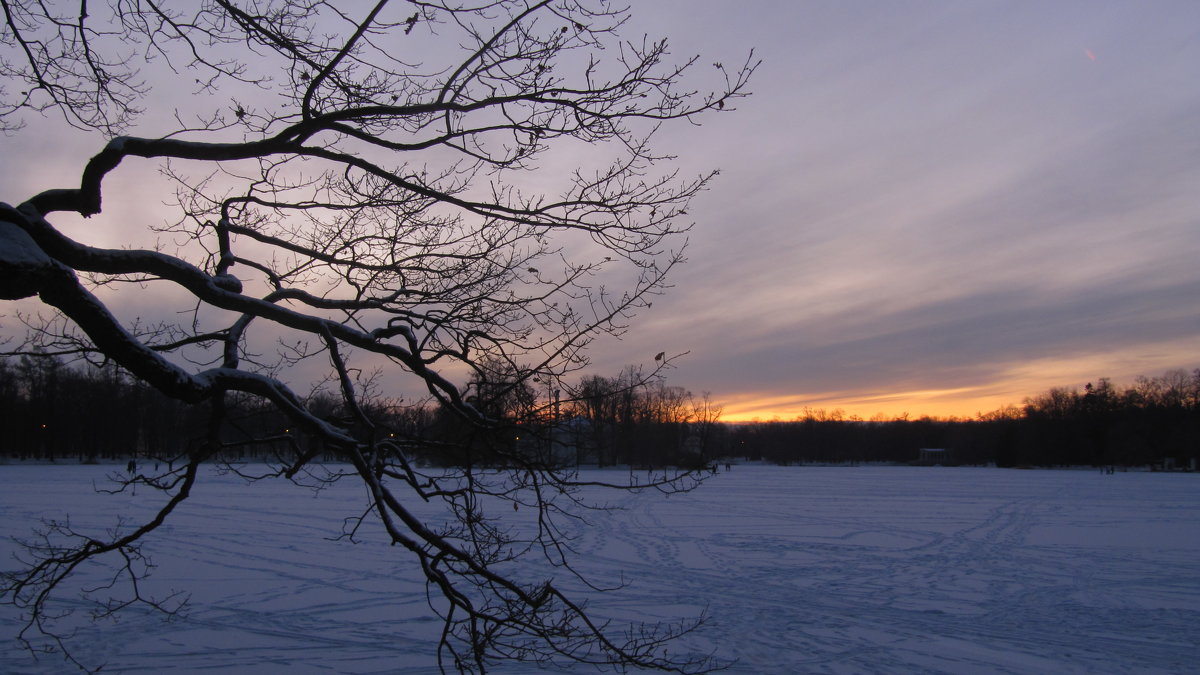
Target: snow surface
(803, 570)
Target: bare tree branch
(366, 184)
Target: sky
(937, 208)
(932, 208)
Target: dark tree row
(51, 410)
(1155, 421)
(54, 410)
(625, 420)
(841, 441)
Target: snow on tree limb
(368, 207)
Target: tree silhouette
(361, 185)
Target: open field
(803, 570)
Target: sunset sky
(937, 207)
(926, 207)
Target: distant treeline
(1155, 421)
(52, 410)
(49, 410)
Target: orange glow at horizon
(1009, 386)
(957, 403)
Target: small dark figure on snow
(131, 467)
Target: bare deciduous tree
(361, 185)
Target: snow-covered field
(803, 570)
